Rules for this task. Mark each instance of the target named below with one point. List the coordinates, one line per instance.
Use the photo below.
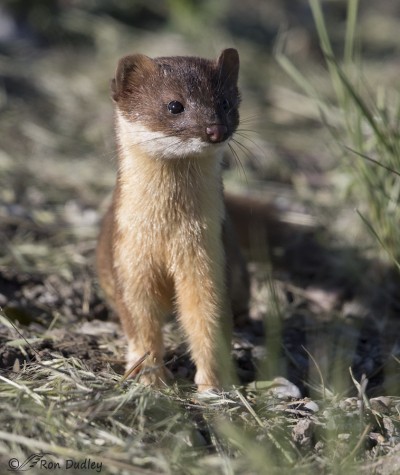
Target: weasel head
(175, 107)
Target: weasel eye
(175, 107)
(226, 105)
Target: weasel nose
(216, 132)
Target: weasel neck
(189, 186)
(147, 169)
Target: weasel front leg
(142, 310)
(205, 315)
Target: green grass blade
(374, 233)
(352, 10)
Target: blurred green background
(57, 155)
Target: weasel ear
(128, 68)
(228, 62)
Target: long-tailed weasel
(161, 244)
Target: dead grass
(63, 408)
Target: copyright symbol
(13, 464)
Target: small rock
(311, 406)
(283, 388)
(381, 404)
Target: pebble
(283, 388)
(311, 406)
(381, 404)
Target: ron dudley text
(86, 464)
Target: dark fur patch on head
(207, 89)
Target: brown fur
(161, 248)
